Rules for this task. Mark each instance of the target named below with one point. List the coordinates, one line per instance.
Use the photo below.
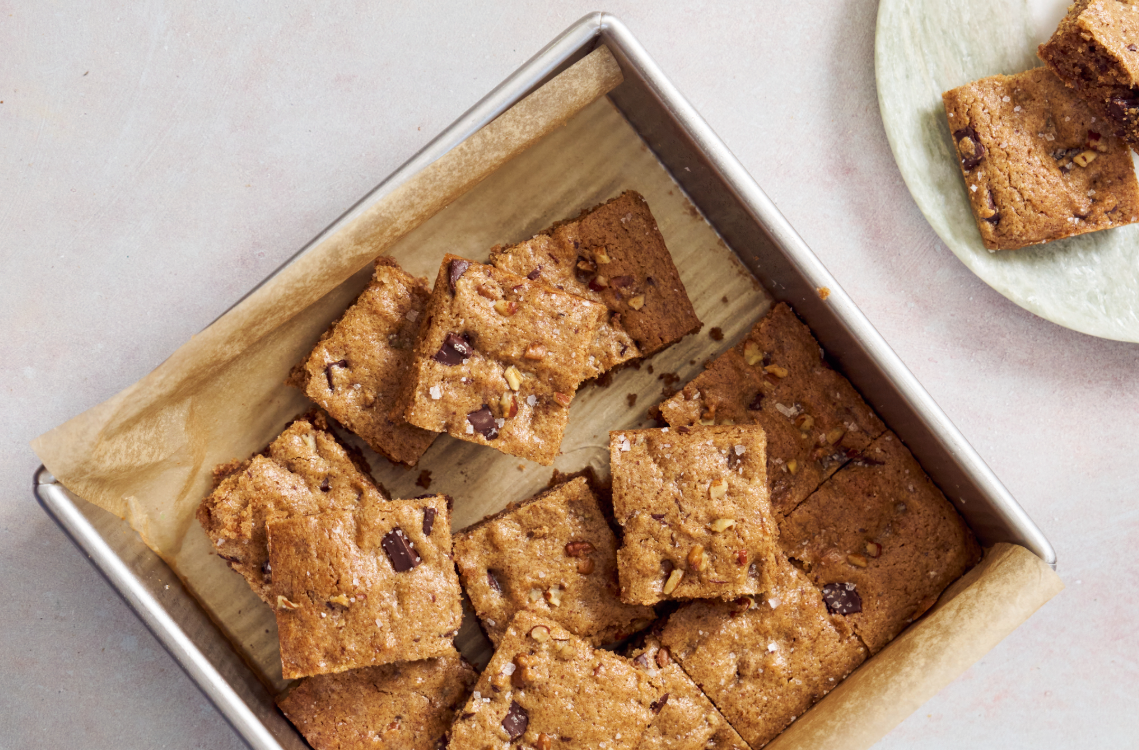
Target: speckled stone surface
(159, 161)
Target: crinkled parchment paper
(146, 454)
(924, 47)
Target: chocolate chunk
(229, 559)
(492, 579)
(1132, 48)
(325, 486)
(658, 704)
(483, 422)
(398, 548)
(458, 268)
(969, 161)
(642, 661)
(1123, 108)
(516, 721)
(842, 599)
(757, 402)
(267, 570)
(455, 350)
(533, 275)
(428, 521)
(328, 372)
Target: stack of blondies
(742, 562)
(1045, 153)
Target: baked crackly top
(1037, 165)
(406, 705)
(553, 554)
(499, 358)
(545, 687)
(778, 378)
(357, 370)
(694, 507)
(880, 540)
(306, 470)
(356, 589)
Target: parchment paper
(146, 454)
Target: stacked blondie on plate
(744, 559)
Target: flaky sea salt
(436, 392)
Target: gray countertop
(160, 159)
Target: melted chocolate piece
(428, 521)
(516, 721)
(267, 570)
(458, 268)
(455, 350)
(1125, 109)
(757, 402)
(483, 422)
(328, 372)
(969, 162)
(842, 599)
(658, 704)
(325, 486)
(533, 275)
(401, 554)
(642, 661)
(492, 579)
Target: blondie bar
(880, 540)
(407, 705)
(547, 688)
(613, 254)
(694, 507)
(1038, 166)
(777, 378)
(499, 358)
(356, 371)
(553, 554)
(357, 589)
(307, 470)
(764, 661)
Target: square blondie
(357, 370)
(764, 661)
(499, 358)
(880, 540)
(1095, 51)
(777, 378)
(359, 589)
(613, 254)
(687, 720)
(547, 688)
(694, 506)
(307, 470)
(1037, 165)
(407, 705)
(553, 554)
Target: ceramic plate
(924, 47)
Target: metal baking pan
(750, 225)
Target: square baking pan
(749, 224)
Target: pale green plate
(924, 47)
